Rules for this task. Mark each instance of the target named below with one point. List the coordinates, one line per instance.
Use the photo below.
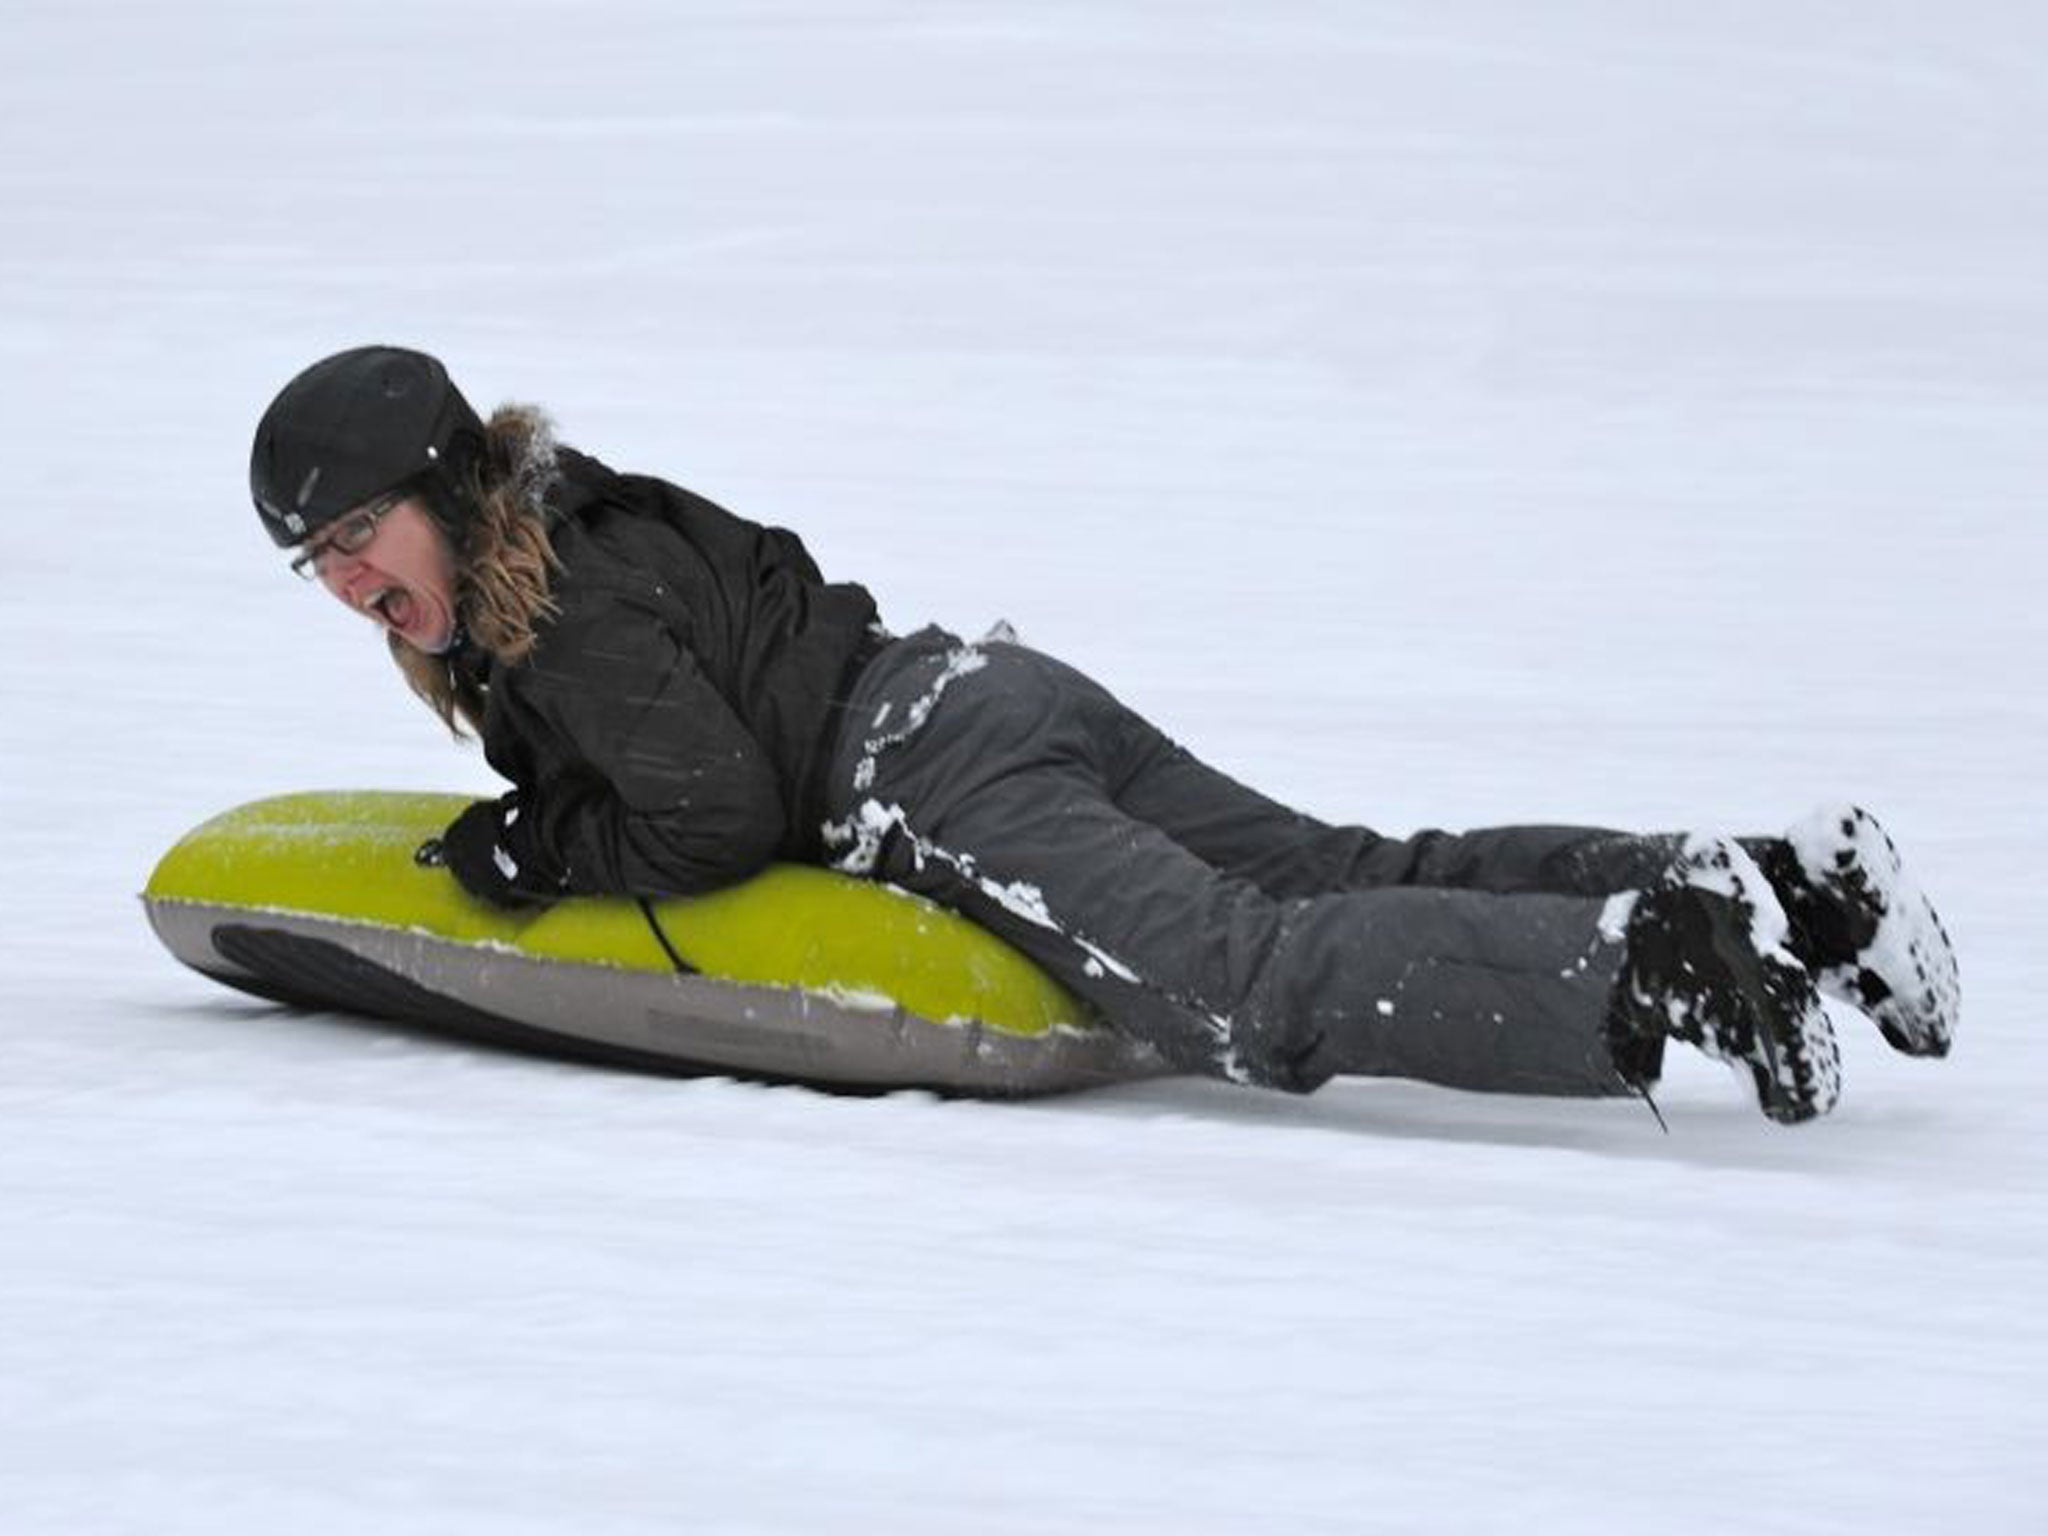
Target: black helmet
(354, 426)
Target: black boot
(1706, 965)
(1863, 928)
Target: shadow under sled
(800, 975)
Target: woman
(678, 697)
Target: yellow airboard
(347, 856)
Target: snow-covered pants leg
(1006, 785)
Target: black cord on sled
(661, 938)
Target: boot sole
(1906, 978)
(1798, 1065)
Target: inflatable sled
(798, 975)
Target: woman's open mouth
(392, 606)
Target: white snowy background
(1437, 412)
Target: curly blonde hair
(503, 567)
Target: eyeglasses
(350, 536)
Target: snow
(1435, 413)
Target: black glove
(491, 850)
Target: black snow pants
(1236, 937)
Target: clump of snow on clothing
(1614, 915)
(861, 834)
(961, 661)
(1718, 864)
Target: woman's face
(403, 578)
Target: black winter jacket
(670, 730)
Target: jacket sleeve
(665, 791)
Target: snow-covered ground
(1438, 412)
